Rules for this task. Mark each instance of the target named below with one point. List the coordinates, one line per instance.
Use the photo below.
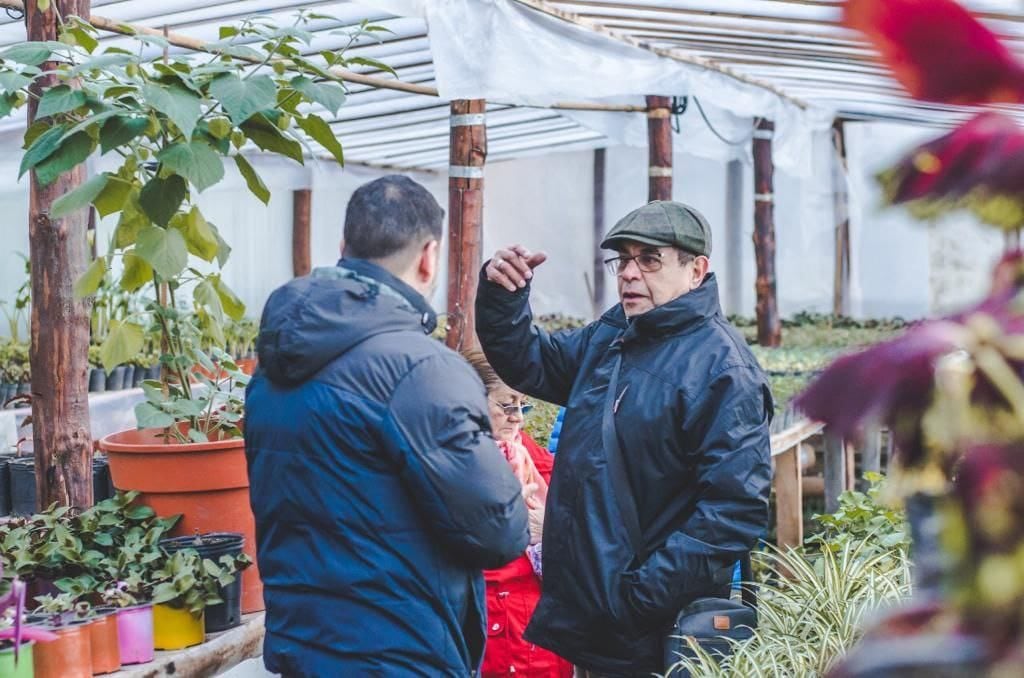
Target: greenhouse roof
(736, 55)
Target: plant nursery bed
(220, 652)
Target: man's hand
(512, 266)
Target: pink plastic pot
(135, 634)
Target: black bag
(709, 621)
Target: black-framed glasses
(514, 408)
(647, 262)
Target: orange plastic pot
(205, 482)
(103, 638)
(247, 365)
(69, 656)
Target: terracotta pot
(207, 483)
(176, 628)
(135, 634)
(247, 365)
(70, 656)
(106, 653)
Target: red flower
(938, 51)
(978, 166)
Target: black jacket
(378, 492)
(692, 422)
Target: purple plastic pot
(135, 634)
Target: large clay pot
(205, 482)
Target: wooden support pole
(841, 284)
(59, 254)
(659, 148)
(835, 471)
(789, 517)
(302, 209)
(467, 155)
(599, 208)
(871, 454)
(769, 327)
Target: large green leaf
(252, 179)
(137, 272)
(42, 147)
(87, 285)
(28, 53)
(233, 306)
(7, 103)
(328, 95)
(223, 248)
(164, 249)
(10, 81)
(322, 133)
(59, 99)
(114, 196)
(199, 237)
(132, 220)
(242, 98)
(160, 198)
(177, 103)
(195, 161)
(148, 415)
(124, 341)
(269, 138)
(72, 151)
(119, 130)
(80, 197)
(205, 294)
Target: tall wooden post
(59, 352)
(769, 328)
(599, 254)
(302, 206)
(467, 155)
(841, 285)
(659, 148)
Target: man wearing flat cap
(666, 426)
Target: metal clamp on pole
(763, 134)
(465, 172)
(764, 197)
(468, 120)
(659, 172)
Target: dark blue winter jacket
(692, 409)
(378, 492)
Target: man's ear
(341, 248)
(426, 264)
(700, 269)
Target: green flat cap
(661, 223)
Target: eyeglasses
(514, 409)
(648, 262)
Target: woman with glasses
(513, 590)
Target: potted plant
(69, 654)
(171, 123)
(134, 625)
(224, 560)
(182, 590)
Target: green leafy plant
(184, 581)
(172, 123)
(17, 313)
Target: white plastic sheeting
(503, 51)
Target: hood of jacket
(312, 320)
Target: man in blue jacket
(690, 411)
(378, 492)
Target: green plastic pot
(24, 667)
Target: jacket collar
(675, 317)
(368, 269)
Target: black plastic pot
(115, 380)
(129, 375)
(228, 614)
(10, 390)
(23, 486)
(100, 479)
(138, 375)
(97, 380)
(153, 372)
(24, 387)
(5, 484)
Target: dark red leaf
(939, 51)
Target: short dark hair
(387, 215)
(685, 257)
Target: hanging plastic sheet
(506, 52)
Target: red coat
(512, 594)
